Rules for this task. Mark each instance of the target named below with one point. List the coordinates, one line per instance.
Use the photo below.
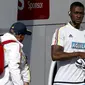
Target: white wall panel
(37, 61)
(8, 13)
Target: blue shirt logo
(78, 45)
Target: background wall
(8, 14)
(37, 47)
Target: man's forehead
(77, 8)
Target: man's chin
(20, 40)
(78, 22)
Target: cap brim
(28, 32)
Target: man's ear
(69, 13)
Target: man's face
(77, 14)
(20, 37)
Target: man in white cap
(16, 71)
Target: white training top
(17, 71)
(72, 40)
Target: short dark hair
(76, 4)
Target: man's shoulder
(63, 27)
(6, 34)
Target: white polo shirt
(72, 40)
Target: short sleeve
(58, 37)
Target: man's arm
(25, 69)
(57, 53)
(14, 63)
(26, 74)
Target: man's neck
(77, 26)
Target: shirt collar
(80, 29)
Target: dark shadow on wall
(27, 44)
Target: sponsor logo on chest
(78, 45)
